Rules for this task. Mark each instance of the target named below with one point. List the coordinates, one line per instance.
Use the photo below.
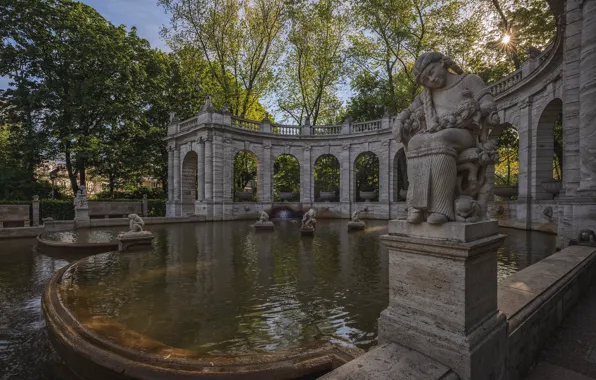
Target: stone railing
(188, 124)
(251, 125)
(286, 130)
(366, 126)
(528, 67)
(506, 83)
(326, 129)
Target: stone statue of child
(356, 216)
(308, 219)
(445, 134)
(135, 223)
(264, 217)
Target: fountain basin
(97, 348)
(74, 245)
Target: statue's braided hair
(421, 64)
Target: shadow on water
(219, 287)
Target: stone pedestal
(130, 241)
(82, 217)
(443, 295)
(307, 231)
(264, 226)
(356, 225)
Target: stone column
(265, 177)
(145, 205)
(201, 169)
(384, 172)
(443, 295)
(306, 185)
(170, 173)
(587, 99)
(177, 168)
(525, 150)
(208, 169)
(35, 210)
(345, 173)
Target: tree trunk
(112, 185)
(71, 175)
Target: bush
(57, 209)
(130, 195)
(157, 207)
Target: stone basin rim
(74, 341)
(91, 248)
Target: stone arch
(400, 176)
(286, 177)
(326, 178)
(188, 182)
(246, 174)
(366, 176)
(546, 166)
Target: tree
(238, 40)
(507, 169)
(286, 174)
(314, 63)
(81, 73)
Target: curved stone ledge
(92, 357)
(53, 246)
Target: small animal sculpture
(356, 216)
(467, 209)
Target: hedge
(157, 207)
(57, 209)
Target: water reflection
(219, 287)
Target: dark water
(219, 287)
(86, 235)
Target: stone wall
(108, 209)
(537, 216)
(14, 216)
(537, 299)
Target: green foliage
(326, 174)
(507, 169)
(157, 207)
(314, 63)
(134, 194)
(286, 174)
(238, 41)
(245, 170)
(57, 209)
(367, 173)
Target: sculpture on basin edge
(308, 220)
(445, 133)
(264, 217)
(135, 223)
(80, 200)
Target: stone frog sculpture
(308, 219)
(445, 133)
(135, 223)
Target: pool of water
(86, 235)
(218, 287)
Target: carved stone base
(443, 296)
(131, 241)
(356, 225)
(263, 226)
(307, 231)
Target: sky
(146, 15)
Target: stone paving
(571, 355)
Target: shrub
(157, 207)
(130, 195)
(57, 209)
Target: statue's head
(431, 69)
